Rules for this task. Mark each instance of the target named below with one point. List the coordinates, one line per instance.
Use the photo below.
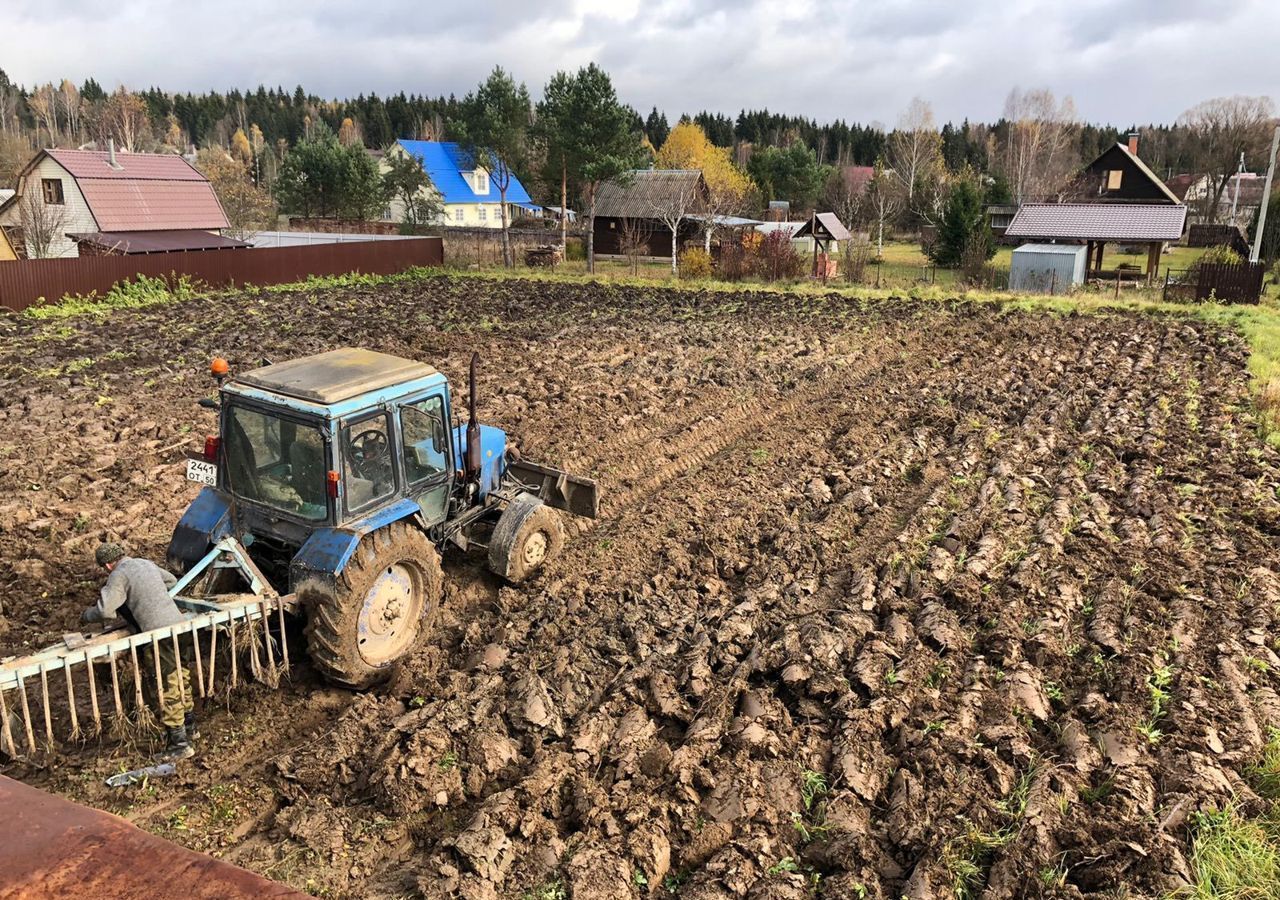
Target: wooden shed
(632, 211)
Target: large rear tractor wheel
(528, 535)
(384, 600)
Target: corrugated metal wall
(24, 283)
(1033, 270)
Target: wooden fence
(24, 283)
(1222, 282)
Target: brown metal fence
(1222, 282)
(24, 283)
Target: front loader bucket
(91, 683)
(56, 849)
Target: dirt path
(886, 599)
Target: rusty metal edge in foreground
(54, 848)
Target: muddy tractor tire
(381, 604)
(528, 535)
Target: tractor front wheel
(528, 535)
(381, 603)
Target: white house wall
(77, 218)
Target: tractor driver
(137, 590)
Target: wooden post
(1101, 244)
(1117, 284)
(1153, 260)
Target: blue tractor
(344, 475)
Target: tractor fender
(206, 521)
(325, 554)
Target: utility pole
(1235, 200)
(1266, 199)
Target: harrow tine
(143, 714)
(155, 662)
(213, 658)
(255, 667)
(44, 698)
(71, 703)
(6, 730)
(93, 697)
(199, 679)
(273, 676)
(284, 644)
(235, 666)
(26, 717)
(177, 662)
(118, 724)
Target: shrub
(575, 249)
(695, 263)
(857, 256)
(776, 258)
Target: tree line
(306, 153)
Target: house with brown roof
(109, 200)
(1115, 199)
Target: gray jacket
(137, 590)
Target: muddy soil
(886, 599)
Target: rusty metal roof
(143, 191)
(647, 191)
(55, 849)
(1099, 221)
(135, 242)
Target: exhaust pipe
(472, 462)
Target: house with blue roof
(467, 191)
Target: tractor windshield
(276, 462)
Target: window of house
(482, 213)
(52, 188)
(482, 182)
(458, 214)
(1113, 179)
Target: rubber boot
(193, 729)
(178, 745)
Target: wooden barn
(632, 212)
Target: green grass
(1233, 856)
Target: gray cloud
(1136, 61)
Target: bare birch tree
(672, 204)
(1221, 129)
(884, 198)
(42, 224)
(915, 147)
(69, 102)
(44, 106)
(1037, 156)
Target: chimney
(111, 153)
(1133, 143)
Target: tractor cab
(321, 461)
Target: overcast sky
(1122, 62)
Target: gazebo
(1097, 224)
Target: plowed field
(886, 599)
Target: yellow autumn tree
(241, 152)
(348, 133)
(729, 188)
(687, 147)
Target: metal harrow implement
(100, 672)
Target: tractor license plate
(202, 472)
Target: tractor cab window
(367, 470)
(276, 462)
(424, 439)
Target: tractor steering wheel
(368, 446)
